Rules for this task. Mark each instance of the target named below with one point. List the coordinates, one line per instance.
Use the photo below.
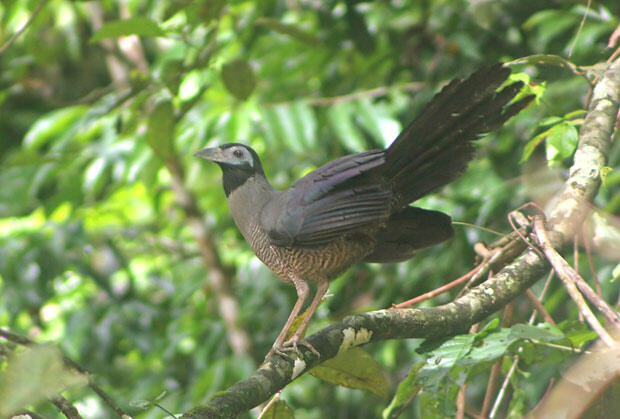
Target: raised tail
(436, 147)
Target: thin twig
(613, 39)
(583, 21)
(586, 244)
(461, 400)
(66, 408)
(539, 307)
(497, 366)
(494, 258)
(440, 290)
(612, 316)
(378, 91)
(272, 401)
(566, 274)
(502, 391)
(23, 28)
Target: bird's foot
(291, 345)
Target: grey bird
(356, 208)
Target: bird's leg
(291, 344)
(302, 295)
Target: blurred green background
(102, 205)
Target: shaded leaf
(33, 375)
(51, 125)
(288, 30)
(353, 368)
(532, 144)
(138, 25)
(406, 392)
(171, 74)
(278, 410)
(486, 346)
(160, 129)
(340, 118)
(239, 78)
(549, 59)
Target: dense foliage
(116, 245)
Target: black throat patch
(234, 176)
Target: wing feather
(340, 197)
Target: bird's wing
(340, 197)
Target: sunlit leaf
(51, 125)
(340, 117)
(305, 124)
(561, 142)
(160, 129)
(191, 85)
(94, 175)
(137, 25)
(289, 30)
(239, 78)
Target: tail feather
(408, 230)
(436, 147)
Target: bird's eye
(238, 153)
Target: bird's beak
(214, 154)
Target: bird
(356, 208)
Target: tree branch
(567, 214)
(24, 27)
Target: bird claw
(292, 345)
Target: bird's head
(237, 161)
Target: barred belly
(312, 264)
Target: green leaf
(95, 176)
(33, 375)
(191, 85)
(605, 171)
(278, 410)
(551, 120)
(354, 368)
(577, 333)
(139, 25)
(549, 24)
(171, 74)
(543, 332)
(51, 125)
(485, 346)
(548, 59)
(561, 142)
(288, 30)
(615, 273)
(305, 123)
(370, 119)
(575, 114)
(287, 127)
(239, 78)
(532, 144)
(340, 118)
(406, 392)
(160, 129)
